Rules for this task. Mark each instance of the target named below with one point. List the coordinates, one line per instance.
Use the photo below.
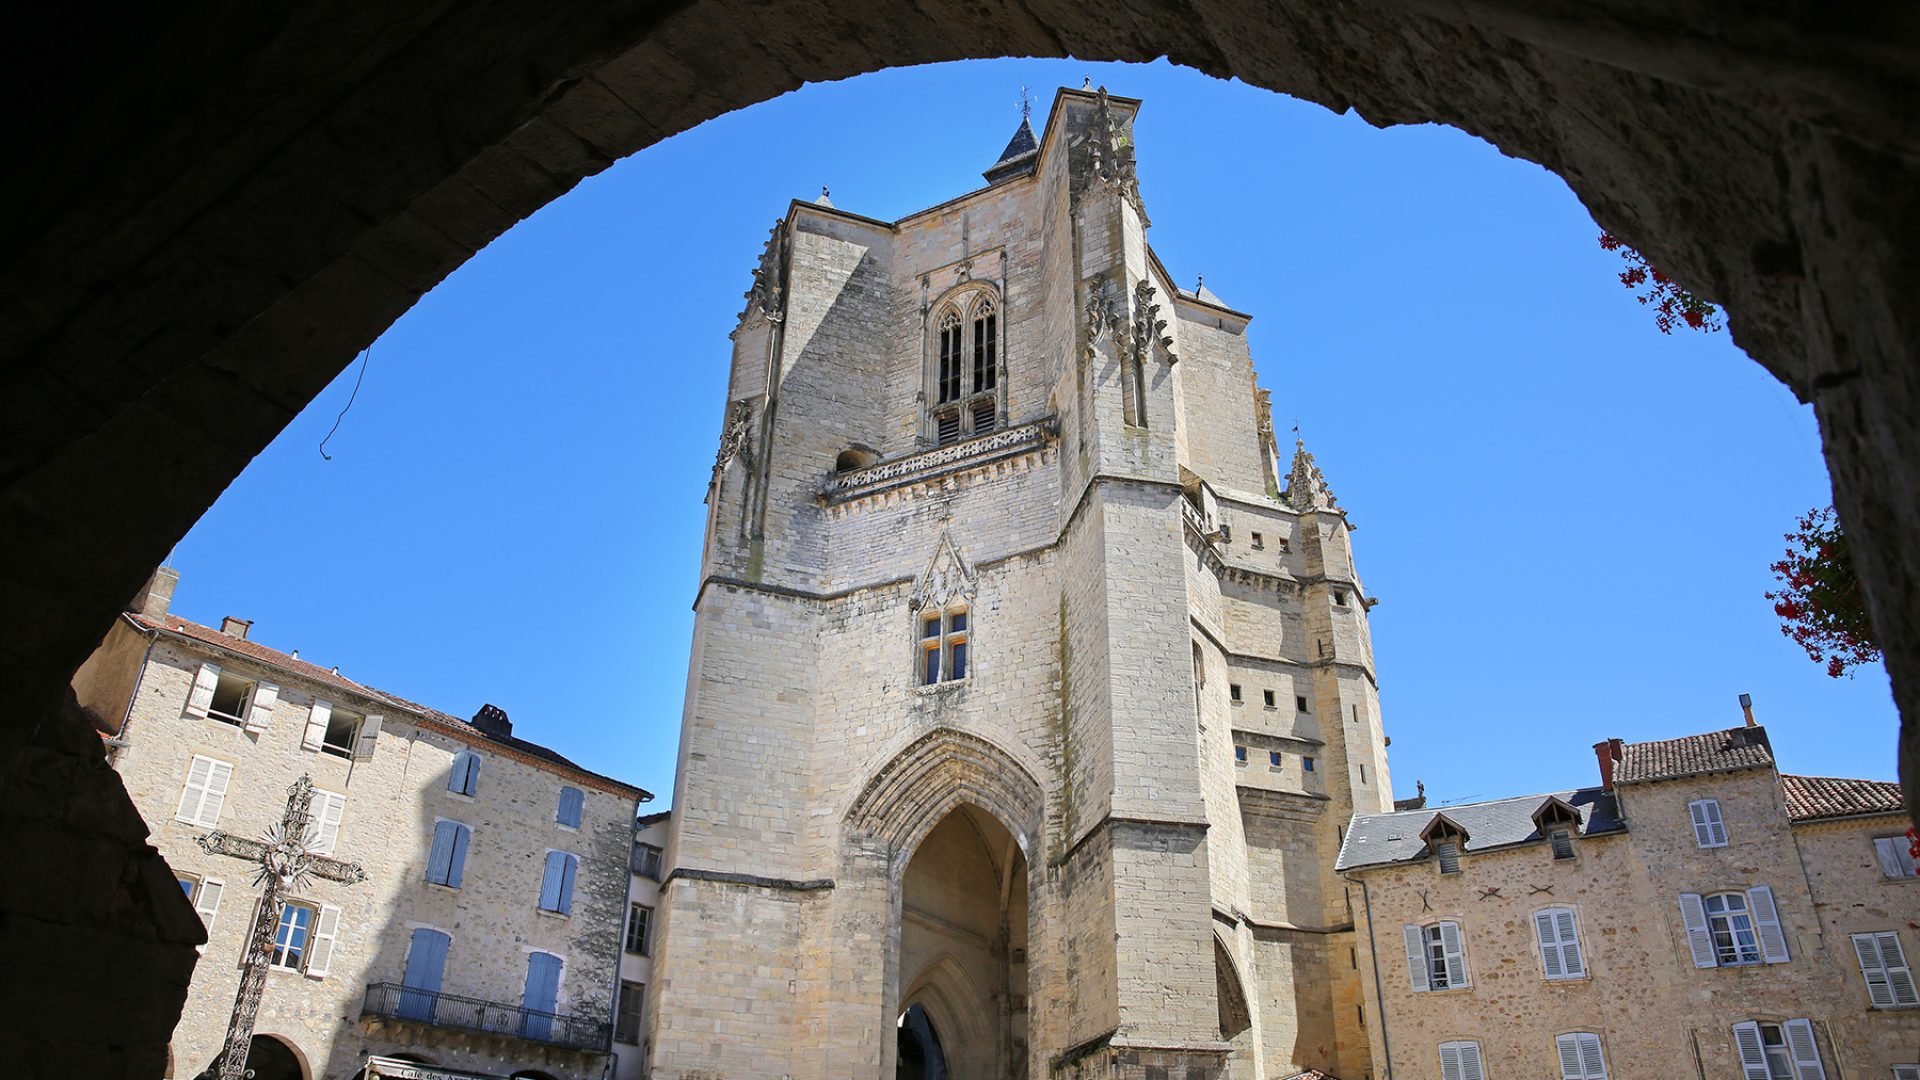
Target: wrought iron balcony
(492, 1017)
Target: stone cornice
(938, 463)
(727, 877)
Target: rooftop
(1815, 798)
(1379, 839)
(1694, 755)
(314, 673)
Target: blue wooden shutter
(426, 962)
(569, 866)
(571, 801)
(550, 882)
(541, 995)
(440, 859)
(458, 864)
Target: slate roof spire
(1306, 487)
(1018, 159)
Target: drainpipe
(1379, 991)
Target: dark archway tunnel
(209, 210)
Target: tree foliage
(1672, 304)
(1820, 603)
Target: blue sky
(1567, 515)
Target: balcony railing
(496, 1018)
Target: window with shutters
(1557, 934)
(572, 800)
(1709, 829)
(1562, 841)
(1896, 856)
(626, 1024)
(1778, 1051)
(1580, 1057)
(1448, 853)
(1730, 924)
(1461, 1061)
(646, 860)
(1436, 957)
(447, 860)
(944, 645)
(293, 937)
(205, 792)
(1883, 964)
(464, 778)
(639, 928)
(964, 367)
(556, 882)
(323, 820)
(343, 729)
(231, 697)
(1906, 1072)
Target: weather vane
(1026, 104)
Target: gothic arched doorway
(963, 952)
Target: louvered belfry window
(966, 383)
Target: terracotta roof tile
(1693, 755)
(261, 654)
(1810, 798)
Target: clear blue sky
(1568, 517)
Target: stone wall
(393, 799)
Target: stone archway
(218, 211)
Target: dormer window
(1445, 838)
(1557, 821)
(964, 368)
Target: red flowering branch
(1671, 302)
(1819, 600)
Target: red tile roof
(1811, 798)
(259, 653)
(1716, 751)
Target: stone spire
(1018, 159)
(1306, 488)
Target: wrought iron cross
(284, 859)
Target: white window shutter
(1693, 915)
(1906, 1072)
(207, 903)
(260, 709)
(194, 791)
(317, 720)
(1449, 1061)
(1866, 947)
(217, 778)
(1570, 956)
(1766, 923)
(1570, 1066)
(1753, 1056)
(326, 929)
(1899, 976)
(1548, 936)
(1416, 958)
(1470, 1062)
(369, 735)
(1456, 959)
(1590, 1056)
(327, 811)
(1806, 1054)
(200, 698)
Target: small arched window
(465, 777)
(965, 369)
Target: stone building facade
(1697, 914)
(636, 947)
(485, 940)
(1029, 692)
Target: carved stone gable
(947, 579)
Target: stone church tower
(1028, 699)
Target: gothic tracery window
(965, 368)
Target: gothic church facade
(1029, 693)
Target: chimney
(492, 721)
(1607, 753)
(1746, 706)
(156, 596)
(233, 627)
